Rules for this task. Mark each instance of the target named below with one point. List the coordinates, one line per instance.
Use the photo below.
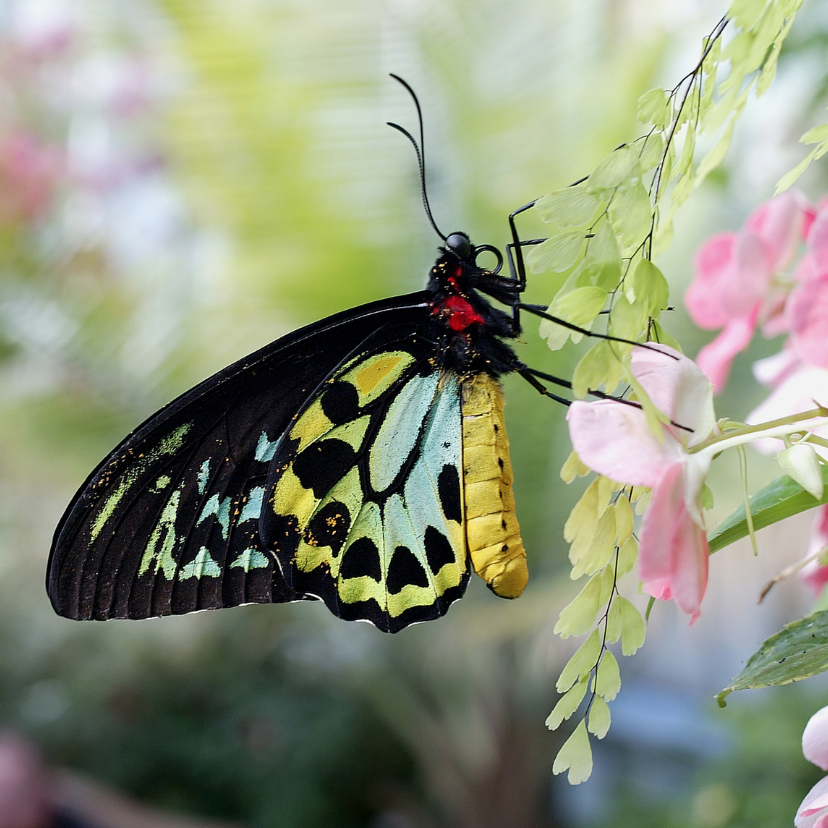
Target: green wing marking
(363, 505)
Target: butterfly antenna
(420, 150)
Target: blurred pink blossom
(815, 574)
(30, 172)
(734, 287)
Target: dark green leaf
(798, 651)
(780, 499)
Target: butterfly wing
(168, 522)
(363, 505)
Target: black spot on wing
(284, 535)
(340, 402)
(448, 489)
(329, 526)
(361, 558)
(322, 464)
(404, 569)
(438, 549)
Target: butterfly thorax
(470, 329)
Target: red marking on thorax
(460, 314)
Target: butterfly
(361, 461)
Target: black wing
(168, 522)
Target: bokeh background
(182, 181)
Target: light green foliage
(597, 555)
(572, 468)
(608, 677)
(627, 556)
(567, 704)
(599, 366)
(624, 621)
(570, 207)
(637, 189)
(575, 756)
(578, 616)
(599, 718)
(648, 286)
(558, 253)
(582, 663)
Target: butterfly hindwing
(363, 505)
(169, 522)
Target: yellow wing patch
(492, 531)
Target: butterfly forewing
(169, 522)
(363, 506)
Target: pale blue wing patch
(251, 559)
(201, 566)
(400, 430)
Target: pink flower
(797, 388)
(813, 812)
(734, 287)
(815, 574)
(614, 439)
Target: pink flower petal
(673, 553)
(800, 391)
(677, 388)
(748, 279)
(716, 357)
(702, 299)
(814, 574)
(613, 439)
(815, 800)
(780, 224)
(818, 241)
(807, 315)
(815, 739)
(775, 369)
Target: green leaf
(558, 253)
(585, 513)
(631, 213)
(603, 258)
(617, 168)
(745, 13)
(579, 307)
(570, 207)
(798, 651)
(654, 108)
(649, 286)
(780, 499)
(600, 550)
(627, 321)
(652, 151)
(599, 718)
(627, 556)
(581, 664)
(715, 156)
(633, 628)
(595, 368)
(624, 519)
(572, 468)
(815, 135)
(567, 704)
(608, 677)
(575, 756)
(578, 616)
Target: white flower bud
(801, 463)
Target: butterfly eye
(461, 246)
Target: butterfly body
(361, 461)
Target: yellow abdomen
(492, 531)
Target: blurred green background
(182, 181)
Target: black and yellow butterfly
(362, 461)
